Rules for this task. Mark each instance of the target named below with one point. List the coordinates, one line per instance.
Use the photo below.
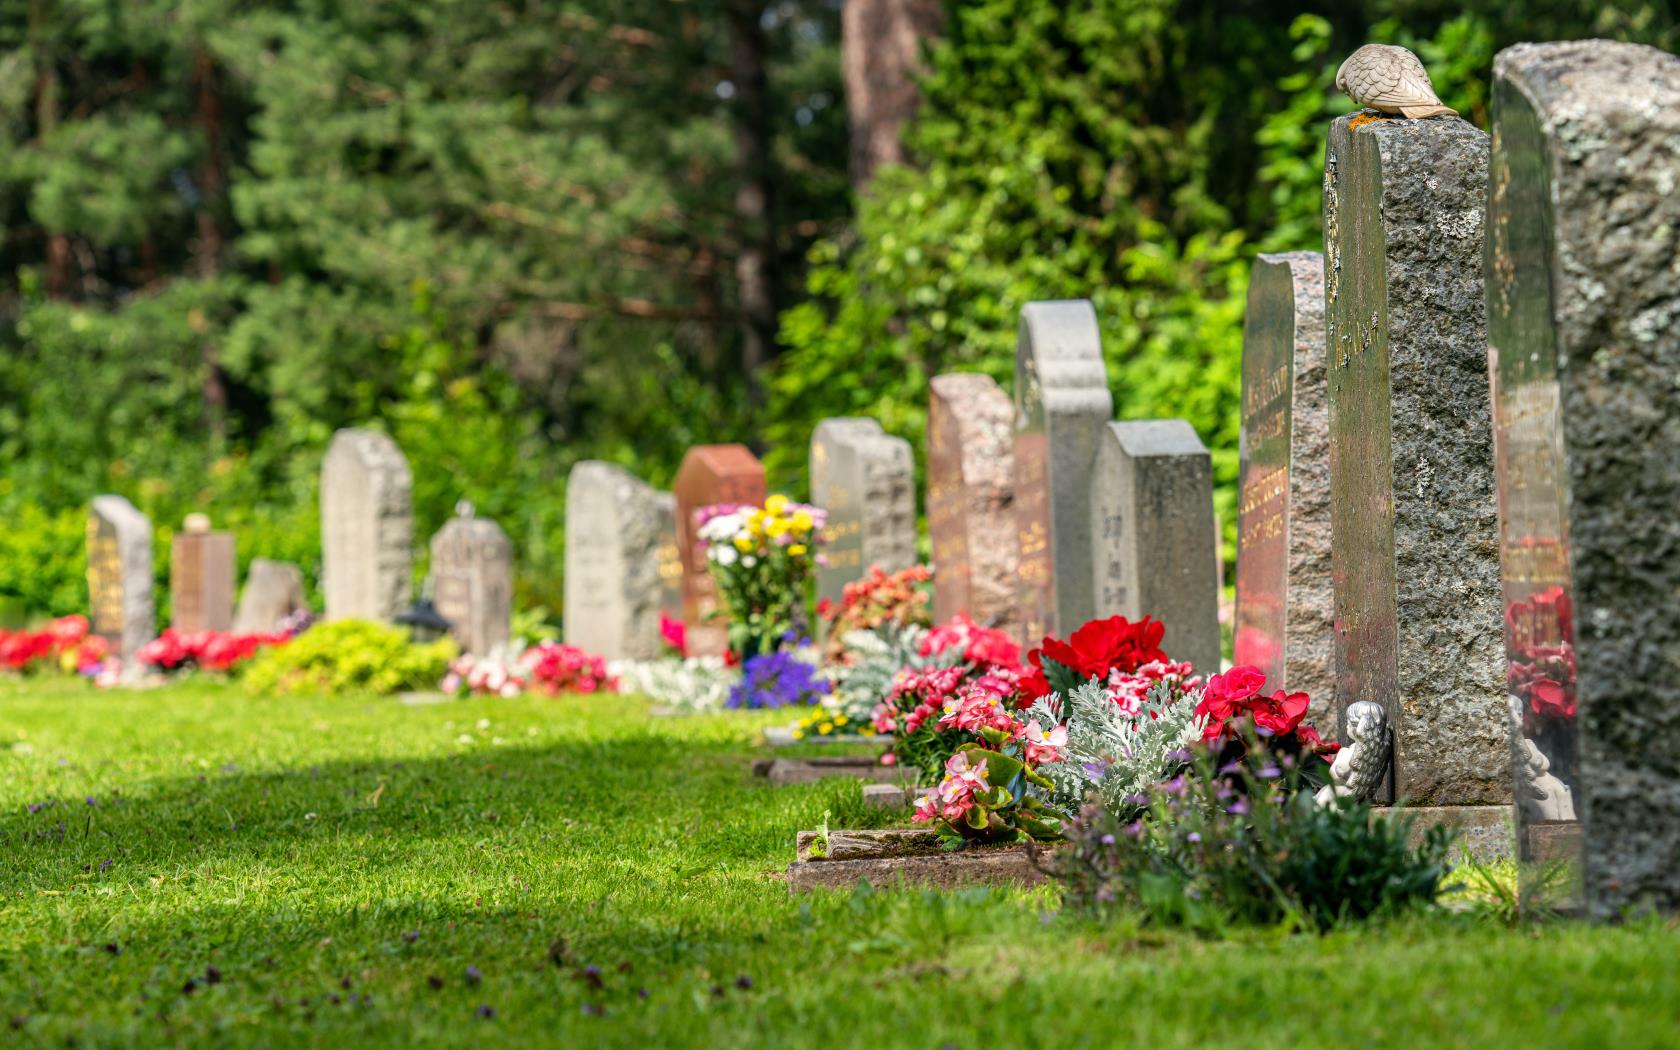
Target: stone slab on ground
(885, 796)
(783, 736)
(784, 771)
(908, 857)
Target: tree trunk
(755, 265)
(881, 55)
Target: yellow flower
(775, 527)
(777, 504)
(744, 544)
(839, 720)
(801, 523)
(797, 735)
(826, 728)
(797, 550)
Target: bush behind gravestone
(350, 656)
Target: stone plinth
(971, 500)
(1415, 554)
(203, 570)
(1062, 401)
(710, 474)
(367, 527)
(1285, 620)
(1584, 349)
(1153, 524)
(119, 575)
(620, 551)
(472, 581)
(866, 480)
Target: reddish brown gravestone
(709, 474)
(970, 498)
(202, 574)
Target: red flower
(1279, 713)
(1227, 695)
(674, 632)
(1101, 646)
(1311, 741)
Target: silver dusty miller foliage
(1119, 755)
(876, 657)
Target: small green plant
(350, 656)
(1242, 843)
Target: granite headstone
(1584, 352)
(202, 573)
(1153, 524)
(866, 480)
(472, 581)
(1415, 553)
(619, 550)
(1062, 401)
(1285, 622)
(970, 500)
(710, 474)
(367, 527)
(119, 575)
(273, 591)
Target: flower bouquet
(762, 559)
(958, 665)
(991, 790)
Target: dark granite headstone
(1584, 350)
(1415, 553)
(1152, 519)
(1062, 402)
(970, 500)
(619, 555)
(710, 474)
(1284, 615)
(119, 575)
(866, 480)
(202, 574)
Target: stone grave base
(907, 857)
(782, 736)
(784, 771)
(1486, 831)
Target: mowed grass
(191, 866)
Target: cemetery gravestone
(367, 527)
(970, 500)
(1062, 402)
(202, 573)
(1152, 517)
(619, 548)
(119, 548)
(472, 581)
(865, 479)
(710, 474)
(1415, 563)
(1285, 623)
(273, 592)
(1583, 349)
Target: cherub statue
(1544, 796)
(1359, 767)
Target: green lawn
(194, 867)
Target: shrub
(350, 656)
(1245, 843)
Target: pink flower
(1042, 747)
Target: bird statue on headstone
(1391, 80)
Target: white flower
(750, 560)
(726, 555)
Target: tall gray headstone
(1584, 351)
(367, 527)
(273, 591)
(1062, 402)
(203, 571)
(866, 480)
(1415, 552)
(971, 500)
(1152, 517)
(472, 581)
(119, 574)
(621, 562)
(1285, 621)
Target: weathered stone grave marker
(1284, 615)
(367, 527)
(710, 474)
(970, 500)
(1414, 555)
(202, 574)
(1152, 519)
(1584, 351)
(619, 550)
(866, 480)
(472, 580)
(119, 574)
(273, 591)
(1061, 403)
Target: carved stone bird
(1390, 79)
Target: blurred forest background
(521, 234)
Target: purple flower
(1178, 755)
(1134, 829)
(1194, 836)
(1238, 808)
(1174, 787)
(473, 976)
(778, 679)
(1230, 769)
(1137, 800)
(1094, 770)
(1268, 772)
(1107, 840)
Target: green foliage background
(505, 233)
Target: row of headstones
(367, 526)
(1042, 513)
(1466, 413)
